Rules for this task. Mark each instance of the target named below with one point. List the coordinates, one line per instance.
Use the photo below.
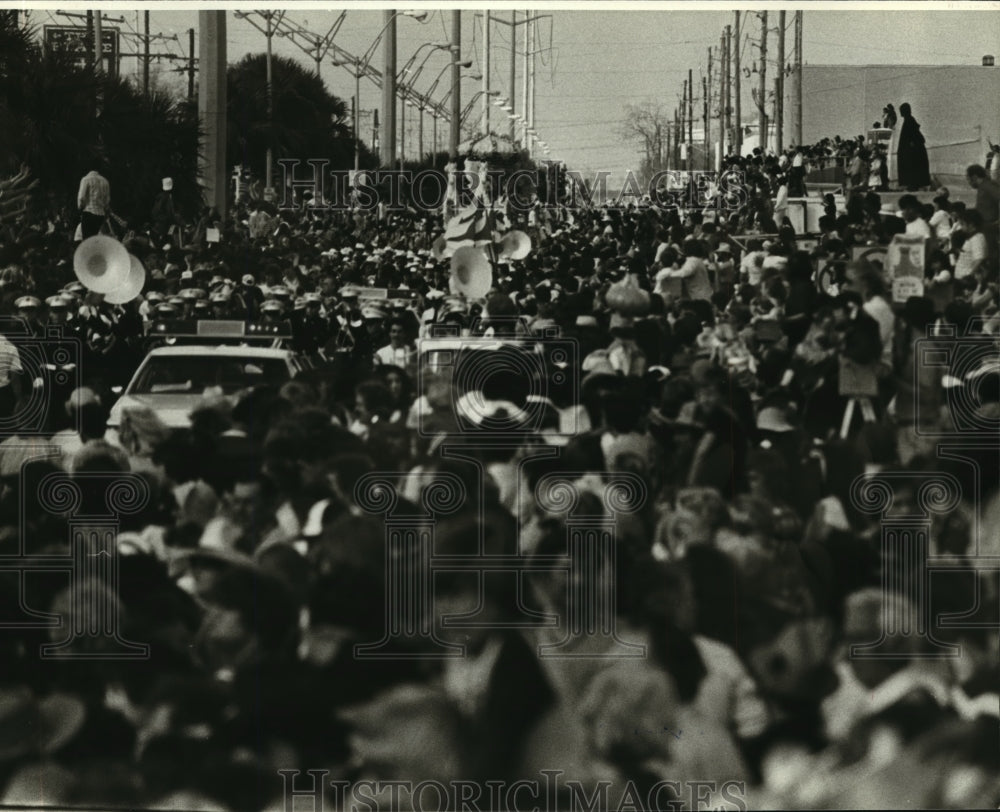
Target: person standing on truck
(914, 168)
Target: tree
(648, 124)
(308, 121)
(49, 122)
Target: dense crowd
(714, 362)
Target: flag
(473, 225)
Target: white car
(172, 380)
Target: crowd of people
(714, 361)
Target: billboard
(73, 39)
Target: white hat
(771, 418)
(168, 184)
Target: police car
(225, 357)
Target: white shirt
(10, 360)
(94, 196)
(973, 252)
(880, 310)
(918, 228)
(941, 223)
(392, 356)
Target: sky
(590, 64)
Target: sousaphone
(131, 287)
(471, 274)
(101, 264)
(515, 245)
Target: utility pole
(690, 113)
(402, 132)
(212, 106)
(676, 158)
(683, 140)
(513, 73)
(355, 113)
(724, 93)
(779, 87)
(145, 54)
(525, 70)
(668, 154)
(532, 23)
(486, 73)
(762, 89)
(707, 85)
(98, 44)
(269, 164)
(190, 64)
(704, 119)
(456, 83)
(795, 123)
(387, 145)
(737, 91)
(420, 133)
(89, 50)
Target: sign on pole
(72, 40)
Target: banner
(905, 261)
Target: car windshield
(193, 374)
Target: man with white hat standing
(164, 215)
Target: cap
(371, 312)
(165, 309)
(279, 292)
(247, 279)
(26, 302)
(771, 418)
(188, 295)
(56, 302)
(271, 306)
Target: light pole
(472, 101)
(456, 80)
(406, 91)
(356, 107)
(388, 143)
(272, 20)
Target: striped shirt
(94, 195)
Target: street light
(388, 143)
(272, 21)
(475, 77)
(355, 106)
(434, 46)
(472, 101)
